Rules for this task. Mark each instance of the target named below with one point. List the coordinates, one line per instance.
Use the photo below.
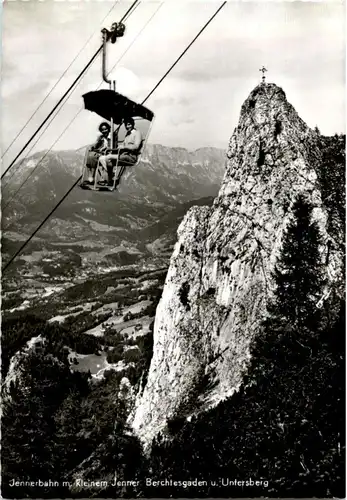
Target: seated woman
(127, 154)
(101, 145)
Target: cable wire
(55, 85)
(78, 180)
(73, 119)
(28, 153)
(13, 172)
(183, 53)
(64, 95)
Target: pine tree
(298, 275)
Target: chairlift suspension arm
(104, 56)
(117, 30)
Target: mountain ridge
(220, 276)
(165, 181)
(162, 177)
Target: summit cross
(263, 69)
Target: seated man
(101, 145)
(127, 154)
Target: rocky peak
(219, 280)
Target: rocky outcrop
(15, 369)
(219, 280)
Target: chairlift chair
(114, 107)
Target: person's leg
(103, 161)
(91, 164)
(106, 162)
(110, 173)
(125, 160)
(91, 174)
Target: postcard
(173, 245)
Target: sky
(302, 44)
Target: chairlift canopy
(111, 105)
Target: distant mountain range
(150, 202)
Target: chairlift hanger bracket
(117, 31)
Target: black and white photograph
(172, 249)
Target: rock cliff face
(219, 280)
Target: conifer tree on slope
(298, 275)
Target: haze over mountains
(156, 194)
